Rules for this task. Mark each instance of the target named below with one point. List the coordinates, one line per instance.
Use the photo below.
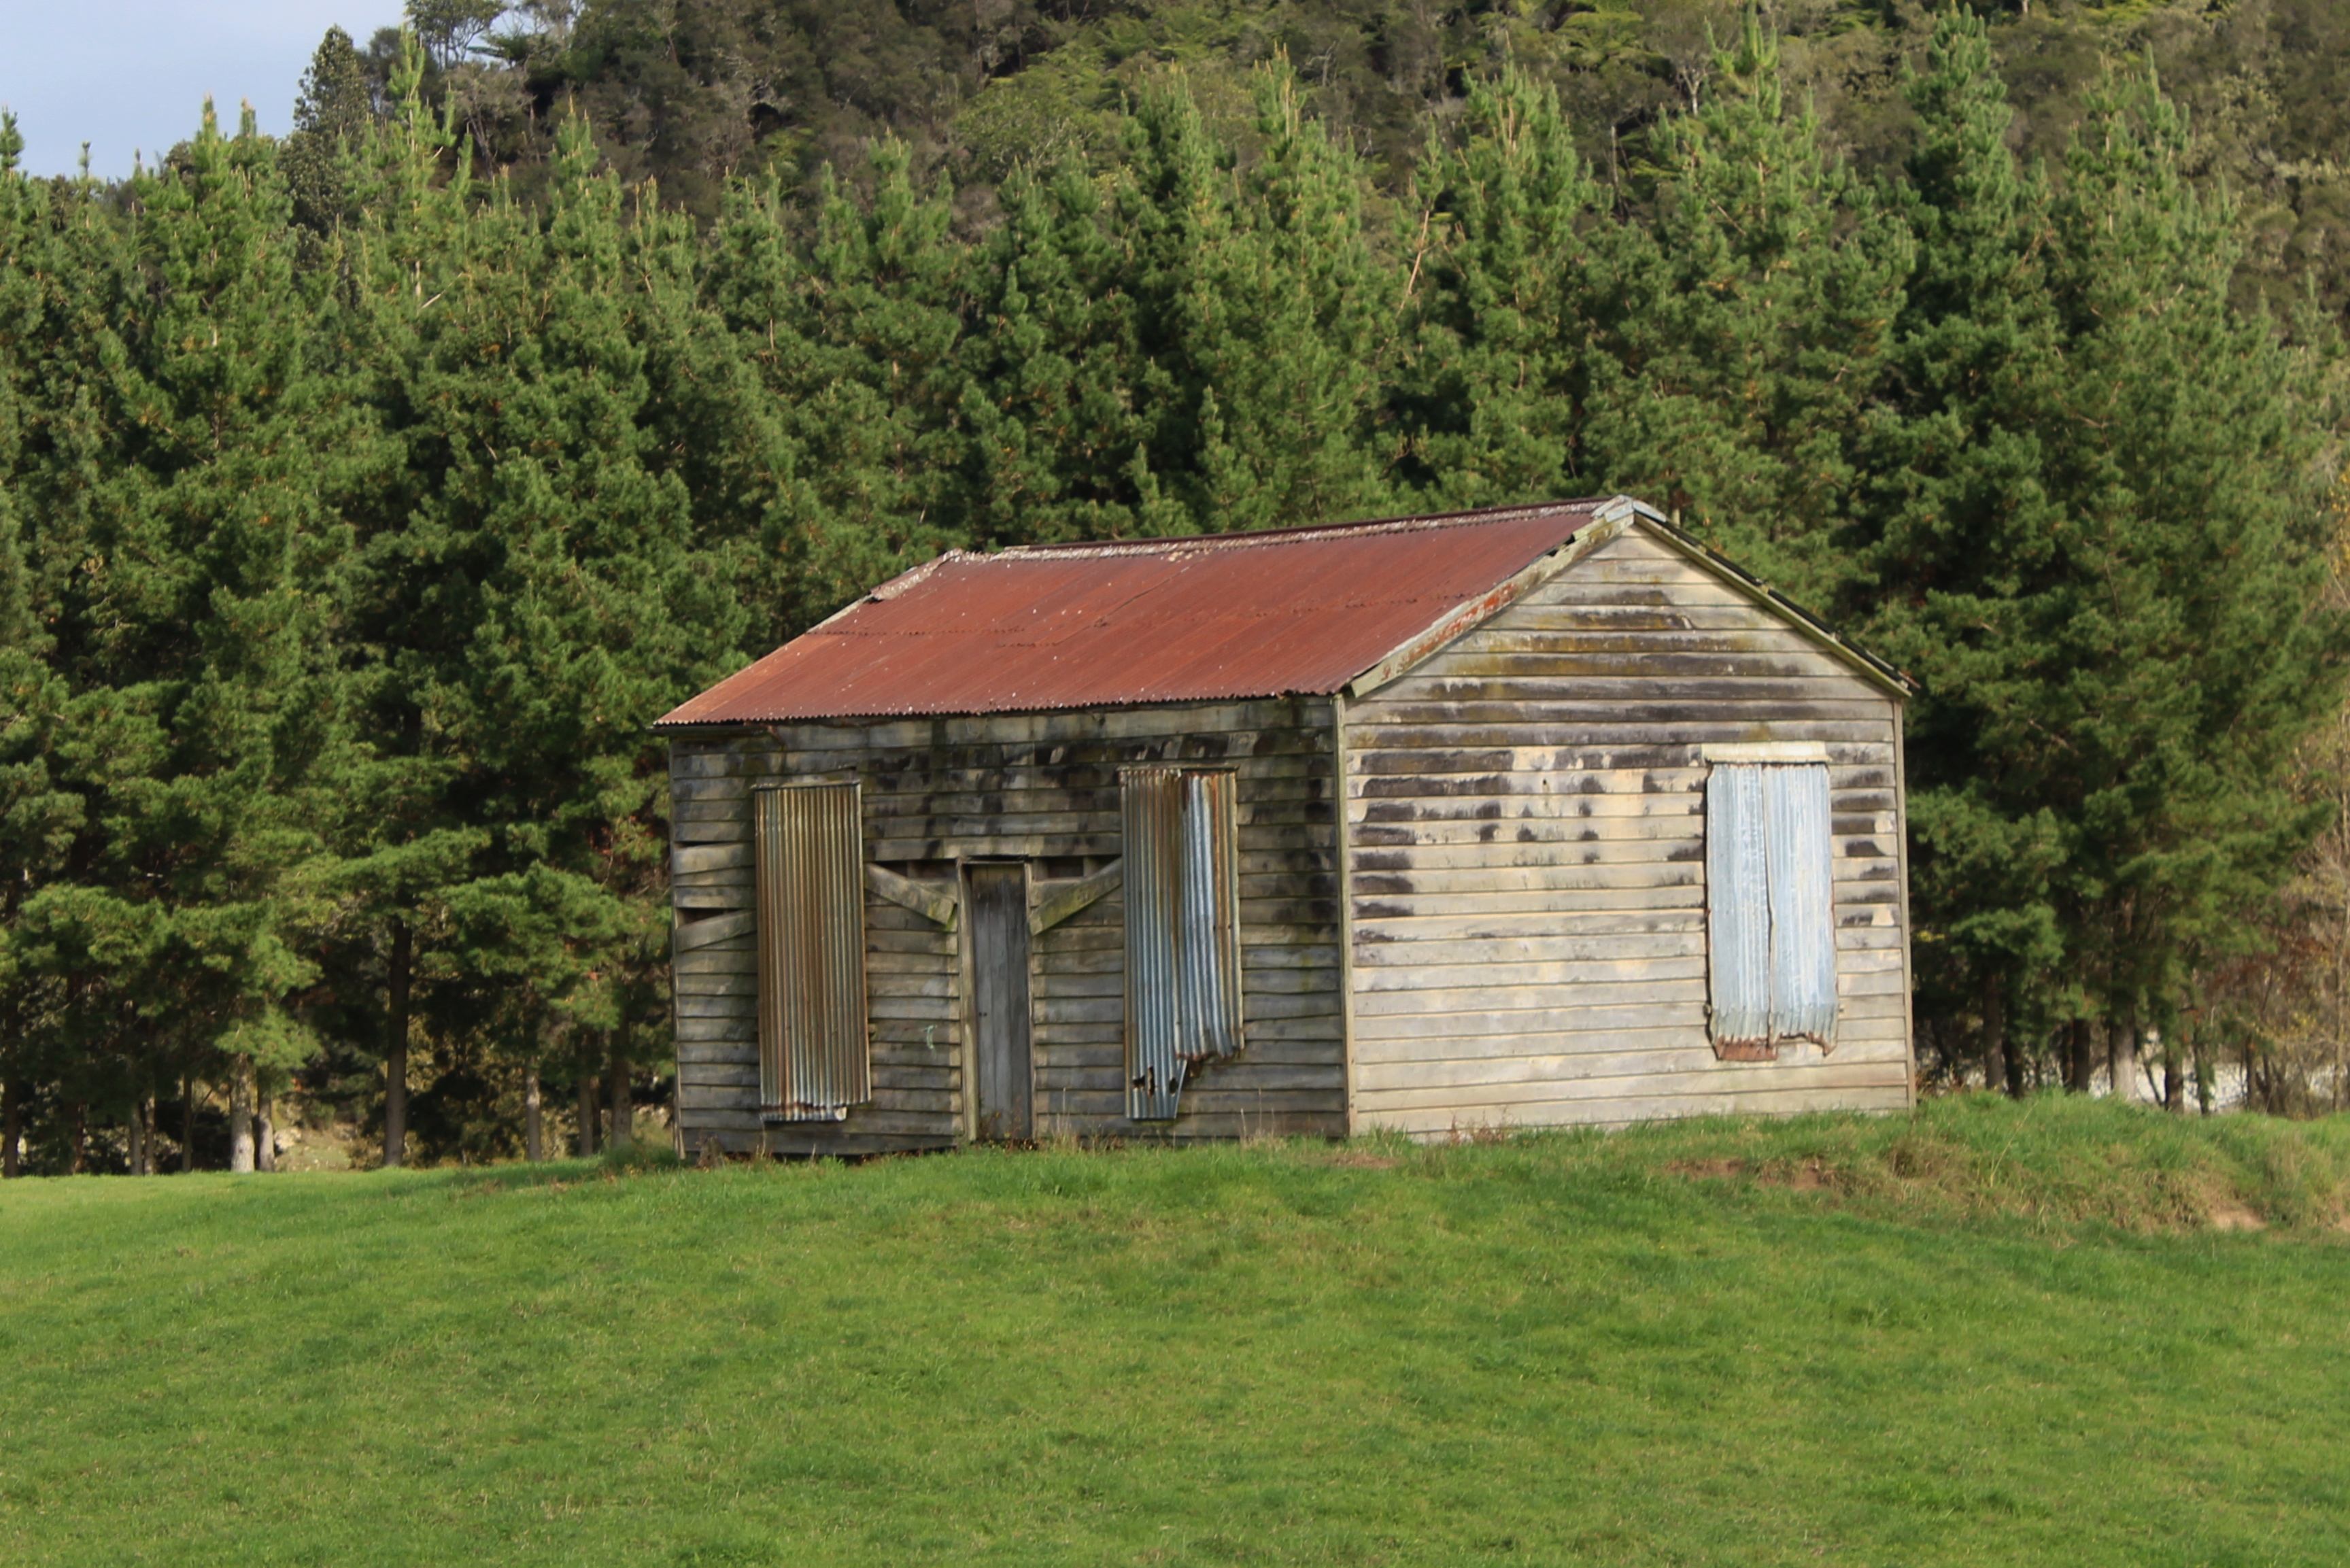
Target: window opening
(1182, 930)
(1770, 908)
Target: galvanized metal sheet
(1211, 911)
(1738, 908)
(1182, 930)
(1802, 903)
(815, 1061)
(1151, 803)
(1151, 620)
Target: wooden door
(996, 904)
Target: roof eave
(1880, 672)
(1608, 521)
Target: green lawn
(1991, 1335)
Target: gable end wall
(1526, 858)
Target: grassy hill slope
(1994, 1333)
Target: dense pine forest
(365, 495)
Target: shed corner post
(966, 1049)
(1901, 865)
(1345, 903)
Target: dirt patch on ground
(2233, 1217)
(1362, 1160)
(1808, 1177)
(1708, 1170)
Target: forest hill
(348, 547)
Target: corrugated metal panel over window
(815, 1059)
(1182, 930)
(1770, 908)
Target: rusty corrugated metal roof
(1038, 628)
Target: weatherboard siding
(1043, 788)
(1526, 857)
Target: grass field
(2045, 1334)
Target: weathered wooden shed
(1522, 817)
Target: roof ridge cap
(1266, 537)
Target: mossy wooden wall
(1041, 788)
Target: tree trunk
(2121, 1059)
(264, 1139)
(624, 1110)
(586, 1116)
(138, 1137)
(2174, 1079)
(80, 1139)
(12, 1130)
(240, 1114)
(395, 1055)
(534, 1133)
(154, 1131)
(187, 1123)
(2077, 1065)
(1994, 1037)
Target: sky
(131, 74)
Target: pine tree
(558, 595)
(1050, 403)
(1265, 326)
(197, 642)
(2098, 547)
(857, 336)
(1961, 516)
(331, 117)
(406, 842)
(1745, 326)
(1501, 262)
(38, 819)
(2194, 646)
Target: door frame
(968, 1009)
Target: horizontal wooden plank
(716, 1051)
(709, 857)
(1371, 981)
(707, 787)
(1060, 728)
(723, 767)
(1230, 1078)
(1542, 612)
(1388, 922)
(1725, 1086)
(1505, 951)
(684, 984)
(691, 1006)
(734, 957)
(1668, 856)
(1508, 634)
(711, 1029)
(1673, 1059)
(1056, 902)
(1559, 798)
(1626, 770)
(690, 935)
(1549, 1013)
(937, 902)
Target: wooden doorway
(996, 904)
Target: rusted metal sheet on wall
(1802, 904)
(1042, 627)
(1182, 930)
(814, 1058)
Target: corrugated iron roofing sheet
(1226, 616)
